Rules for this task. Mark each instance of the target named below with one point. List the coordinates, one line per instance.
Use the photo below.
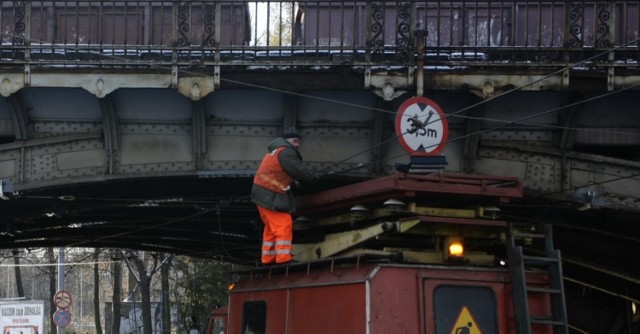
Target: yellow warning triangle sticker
(465, 323)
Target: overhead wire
(446, 115)
(153, 226)
(505, 123)
(590, 184)
(559, 71)
(573, 104)
(225, 249)
(147, 227)
(456, 114)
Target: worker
(271, 192)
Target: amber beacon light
(454, 248)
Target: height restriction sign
(421, 126)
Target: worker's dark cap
(292, 133)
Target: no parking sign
(62, 318)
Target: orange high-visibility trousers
(277, 236)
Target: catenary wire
(518, 121)
(456, 113)
(449, 115)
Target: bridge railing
(140, 33)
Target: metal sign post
(60, 284)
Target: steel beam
(566, 175)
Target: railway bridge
(139, 124)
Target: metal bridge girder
(101, 84)
(568, 176)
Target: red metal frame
(402, 185)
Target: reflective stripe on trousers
(277, 235)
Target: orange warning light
(454, 247)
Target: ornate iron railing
(139, 33)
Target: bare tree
(166, 311)
(52, 288)
(117, 294)
(199, 283)
(281, 15)
(18, 272)
(203, 286)
(96, 291)
(143, 276)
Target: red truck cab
(357, 296)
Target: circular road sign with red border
(62, 318)
(62, 299)
(421, 126)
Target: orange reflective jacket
(271, 175)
